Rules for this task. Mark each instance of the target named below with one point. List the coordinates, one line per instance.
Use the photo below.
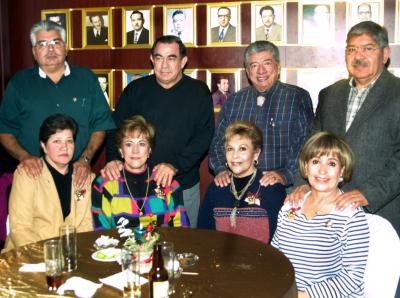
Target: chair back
(383, 266)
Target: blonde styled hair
(327, 143)
(247, 130)
(135, 126)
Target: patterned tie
(135, 38)
(221, 35)
(267, 34)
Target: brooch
(253, 199)
(159, 192)
(80, 194)
(328, 224)
(292, 213)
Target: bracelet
(86, 158)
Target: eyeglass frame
(366, 50)
(42, 44)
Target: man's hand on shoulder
(31, 165)
(297, 195)
(164, 173)
(222, 179)
(271, 178)
(353, 197)
(112, 170)
(81, 173)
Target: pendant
(159, 192)
(252, 200)
(140, 213)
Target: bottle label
(160, 289)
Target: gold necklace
(147, 189)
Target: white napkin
(118, 280)
(83, 288)
(39, 267)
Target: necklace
(130, 193)
(238, 196)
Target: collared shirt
(67, 71)
(284, 119)
(356, 99)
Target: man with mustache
(139, 34)
(364, 110)
(52, 86)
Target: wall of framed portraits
(310, 35)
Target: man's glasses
(366, 50)
(57, 43)
(224, 16)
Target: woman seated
(40, 206)
(244, 207)
(327, 247)
(136, 196)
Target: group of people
(339, 163)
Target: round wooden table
(228, 266)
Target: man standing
(270, 30)
(364, 110)
(221, 94)
(97, 34)
(54, 86)
(139, 34)
(364, 12)
(283, 113)
(225, 32)
(181, 110)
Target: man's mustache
(359, 62)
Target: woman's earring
(226, 165)
(256, 162)
(340, 179)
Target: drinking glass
(53, 263)
(130, 264)
(167, 250)
(69, 249)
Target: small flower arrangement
(142, 239)
(80, 194)
(292, 212)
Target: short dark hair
(267, 7)
(135, 125)
(245, 129)
(378, 33)
(55, 123)
(178, 11)
(96, 14)
(224, 7)
(137, 12)
(170, 39)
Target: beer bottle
(158, 275)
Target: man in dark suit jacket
(142, 34)
(97, 34)
(225, 32)
(364, 110)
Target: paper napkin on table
(83, 288)
(39, 267)
(118, 280)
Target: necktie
(97, 33)
(135, 38)
(221, 35)
(267, 34)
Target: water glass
(69, 249)
(130, 264)
(53, 262)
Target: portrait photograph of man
(106, 85)
(316, 23)
(223, 22)
(61, 17)
(362, 11)
(268, 21)
(180, 22)
(222, 83)
(137, 27)
(97, 31)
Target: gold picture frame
(130, 75)
(106, 81)
(218, 14)
(61, 17)
(180, 20)
(145, 39)
(268, 21)
(91, 18)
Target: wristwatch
(86, 158)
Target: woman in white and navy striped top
(328, 248)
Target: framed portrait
(268, 21)
(316, 22)
(134, 74)
(223, 24)
(137, 27)
(106, 82)
(96, 28)
(397, 23)
(360, 11)
(180, 20)
(62, 17)
(222, 83)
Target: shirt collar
(67, 71)
(352, 82)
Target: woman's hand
(222, 179)
(112, 170)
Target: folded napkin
(118, 280)
(39, 267)
(83, 288)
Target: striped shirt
(284, 119)
(329, 252)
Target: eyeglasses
(224, 16)
(57, 43)
(367, 50)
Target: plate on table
(107, 255)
